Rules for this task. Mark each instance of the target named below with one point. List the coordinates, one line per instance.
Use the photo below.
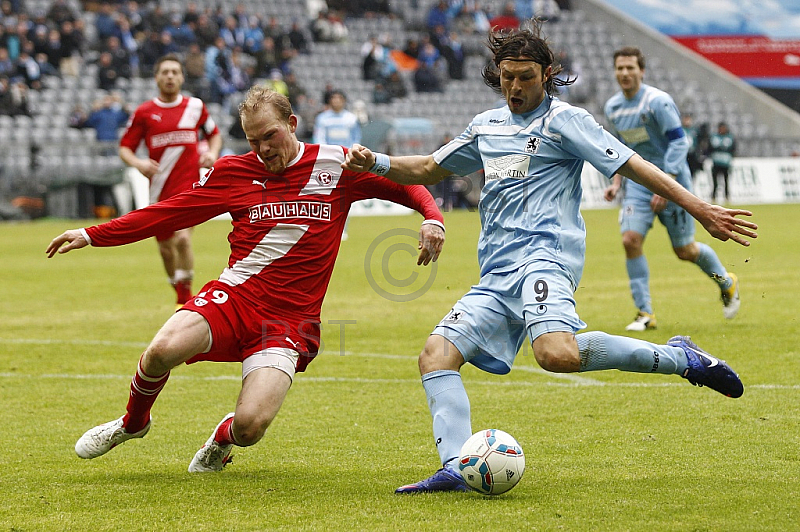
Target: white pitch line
(104, 343)
(571, 379)
(361, 380)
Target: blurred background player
(169, 126)
(722, 146)
(336, 125)
(647, 120)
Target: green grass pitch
(605, 450)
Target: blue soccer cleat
(706, 370)
(444, 479)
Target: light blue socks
(600, 351)
(639, 276)
(710, 263)
(449, 405)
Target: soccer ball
(491, 462)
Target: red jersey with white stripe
(170, 131)
(286, 228)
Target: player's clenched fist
(359, 159)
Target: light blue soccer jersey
(650, 124)
(530, 204)
(340, 128)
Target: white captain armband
(434, 222)
(381, 165)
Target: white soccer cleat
(643, 322)
(730, 298)
(99, 440)
(212, 456)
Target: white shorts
(279, 358)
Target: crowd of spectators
(224, 52)
(437, 55)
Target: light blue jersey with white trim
(530, 204)
(650, 124)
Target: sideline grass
(605, 451)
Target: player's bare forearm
(611, 191)
(73, 239)
(720, 222)
(147, 167)
(214, 147)
(406, 170)
(127, 155)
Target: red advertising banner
(748, 57)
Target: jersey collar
(164, 104)
(293, 161)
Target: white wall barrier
(752, 181)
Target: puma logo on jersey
(294, 344)
(157, 118)
(259, 183)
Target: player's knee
(558, 359)
(249, 429)
(161, 354)
(156, 359)
(439, 354)
(688, 253)
(632, 242)
(183, 241)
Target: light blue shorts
(489, 324)
(636, 215)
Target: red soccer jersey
(286, 228)
(170, 131)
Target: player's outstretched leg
(99, 440)
(212, 456)
(707, 370)
(445, 479)
(730, 298)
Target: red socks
(184, 291)
(224, 435)
(144, 391)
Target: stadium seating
(64, 153)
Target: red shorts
(161, 237)
(240, 329)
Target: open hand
(73, 240)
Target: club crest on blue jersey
(533, 145)
(453, 316)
